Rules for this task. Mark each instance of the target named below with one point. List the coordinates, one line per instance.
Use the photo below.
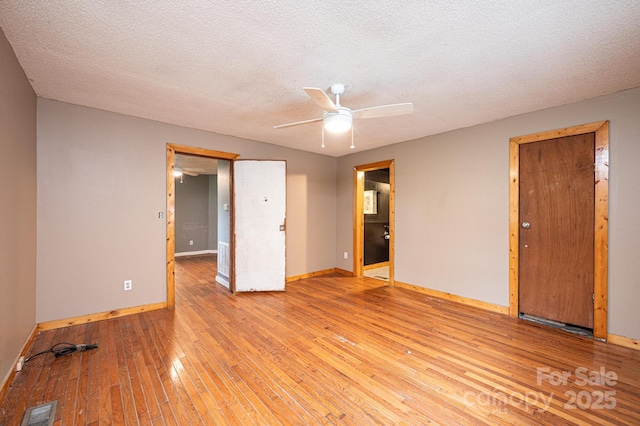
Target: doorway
(558, 226)
(172, 150)
(374, 213)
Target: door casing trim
(358, 216)
(601, 219)
(172, 149)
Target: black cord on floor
(59, 350)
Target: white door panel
(260, 210)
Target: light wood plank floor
(329, 350)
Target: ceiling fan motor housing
(337, 89)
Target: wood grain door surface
(557, 248)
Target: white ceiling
(196, 164)
(238, 67)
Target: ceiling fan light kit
(179, 173)
(338, 122)
(339, 119)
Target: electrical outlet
(128, 285)
(190, 242)
(346, 255)
(20, 364)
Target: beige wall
(101, 181)
(101, 184)
(18, 212)
(452, 211)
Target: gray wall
(101, 180)
(213, 212)
(224, 219)
(101, 184)
(224, 197)
(192, 213)
(452, 211)
(18, 212)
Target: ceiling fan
(337, 119)
(188, 172)
(179, 172)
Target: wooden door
(259, 225)
(556, 242)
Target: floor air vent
(40, 415)
(223, 258)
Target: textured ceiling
(238, 67)
(195, 164)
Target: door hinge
(593, 298)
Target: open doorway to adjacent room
(199, 223)
(374, 220)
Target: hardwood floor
(329, 350)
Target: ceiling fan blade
(383, 111)
(188, 173)
(297, 123)
(321, 98)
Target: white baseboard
(194, 253)
(222, 280)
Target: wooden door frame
(601, 218)
(358, 216)
(172, 149)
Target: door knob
(526, 225)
